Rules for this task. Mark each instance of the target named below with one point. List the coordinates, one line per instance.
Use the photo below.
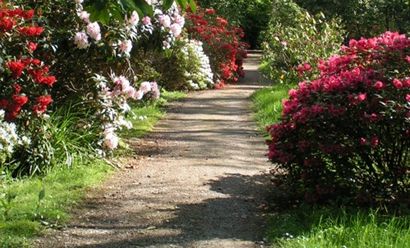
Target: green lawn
(30, 204)
(267, 104)
(326, 227)
(332, 227)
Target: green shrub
(295, 37)
(364, 18)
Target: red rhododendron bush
(25, 79)
(222, 43)
(25, 85)
(347, 133)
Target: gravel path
(197, 181)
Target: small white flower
(85, 16)
(138, 95)
(165, 21)
(134, 19)
(111, 141)
(146, 20)
(145, 87)
(180, 20)
(176, 29)
(81, 40)
(125, 47)
(94, 31)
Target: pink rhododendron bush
(347, 132)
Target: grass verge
(336, 228)
(267, 104)
(325, 227)
(28, 205)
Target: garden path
(198, 180)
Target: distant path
(196, 181)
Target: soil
(198, 180)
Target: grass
(267, 104)
(334, 227)
(29, 204)
(145, 117)
(37, 202)
(331, 226)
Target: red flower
(49, 80)
(397, 83)
(28, 14)
(31, 46)
(7, 24)
(4, 103)
(17, 88)
(378, 85)
(221, 21)
(210, 11)
(361, 97)
(20, 100)
(31, 31)
(42, 104)
(16, 67)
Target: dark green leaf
(167, 4)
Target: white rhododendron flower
(155, 90)
(180, 20)
(146, 20)
(176, 29)
(85, 16)
(145, 87)
(134, 19)
(94, 31)
(125, 46)
(129, 92)
(165, 21)
(111, 140)
(81, 40)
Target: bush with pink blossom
(347, 132)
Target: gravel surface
(198, 180)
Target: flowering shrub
(294, 38)
(25, 80)
(104, 49)
(25, 90)
(113, 95)
(199, 74)
(347, 133)
(222, 43)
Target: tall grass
(329, 227)
(70, 139)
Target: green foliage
(252, 16)
(366, 18)
(335, 228)
(267, 104)
(295, 37)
